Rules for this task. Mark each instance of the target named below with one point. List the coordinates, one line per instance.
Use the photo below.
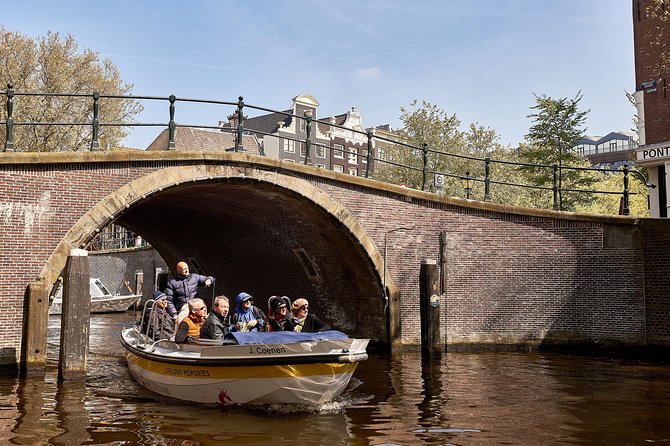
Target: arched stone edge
(112, 206)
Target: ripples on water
(482, 398)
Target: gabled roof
(188, 138)
(267, 123)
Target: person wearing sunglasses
(304, 321)
(189, 328)
(247, 317)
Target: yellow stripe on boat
(254, 371)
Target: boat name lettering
(156, 387)
(267, 350)
(186, 372)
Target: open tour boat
(255, 368)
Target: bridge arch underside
(266, 240)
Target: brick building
(652, 57)
(339, 142)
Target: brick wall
(511, 276)
(649, 66)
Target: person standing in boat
(304, 321)
(189, 328)
(183, 287)
(247, 317)
(217, 324)
(278, 313)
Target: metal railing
(373, 140)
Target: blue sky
(482, 60)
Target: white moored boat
(255, 368)
(102, 301)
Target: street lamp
(467, 181)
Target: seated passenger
(189, 328)
(218, 323)
(161, 325)
(278, 313)
(247, 317)
(302, 320)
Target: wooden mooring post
(429, 307)
(76, 317)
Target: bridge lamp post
(386, 296)
(467, 181)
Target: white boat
(251, 368)
(102, 301)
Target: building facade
(338, 143)
(652, 57)
(610, 151)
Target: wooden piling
(76, 317)
(34, 345)
(429, 307)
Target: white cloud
(368, 73)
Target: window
(364, 155)
(289, 146)
(303, 125)
(303, 149)
(289, 160)
(353, 171)
(338, 151)
(320, 166)
(353, 155)
(381, 154)
(613, 146)
(338, 168)
(320, 152)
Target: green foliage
(54, 64)
(610, 204)
(556, 129)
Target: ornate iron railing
(239, 130)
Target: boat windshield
(98, 288)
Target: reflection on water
(458, 398)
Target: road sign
(438, 180)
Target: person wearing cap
(247, 317)
(218, 322)
(160, 324)
(278, 313)
(302, 320)
(189, 328)
(183, 287)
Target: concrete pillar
(429, 306)
(34, 345)
(76, 317)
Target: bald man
(183, 287)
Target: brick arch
(130, 197)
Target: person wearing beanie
(278, 313)
(304, 321)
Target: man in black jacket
(218, 322)
(183, 287)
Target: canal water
(462, 399)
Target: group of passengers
(188, 313)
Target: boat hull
(113, 304)
(293, 384)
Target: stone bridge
(508, 276)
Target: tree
(54, 64)
(609, 204)
(551, 140)
(425, 124)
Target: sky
(481, 60)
